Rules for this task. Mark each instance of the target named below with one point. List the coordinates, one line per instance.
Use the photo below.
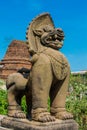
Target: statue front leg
(58, 99)
(15, 91)
(41, 83)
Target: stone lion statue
(48, 77)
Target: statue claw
(42, 116)
(64, 115)
(45, 117)
(17, 114)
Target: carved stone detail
(49, 75)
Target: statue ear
(38, 32)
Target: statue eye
(47, 30)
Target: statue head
(50, 37)
(42, 28)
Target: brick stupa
(16, 57)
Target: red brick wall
(16, 57)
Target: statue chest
(60, 65)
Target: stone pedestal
(24, 124)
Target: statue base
(25, 124)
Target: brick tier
(16, 57)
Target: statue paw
(42, 115)
(45, 117)
(17, 114)
(64, 115)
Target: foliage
(23, 104)
(76, 102)
(3, 102)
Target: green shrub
(76, 102)
(3, 102)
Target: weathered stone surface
(2, 128)
(16, 57)
(1, 117)
(24, 124)
(49, 75)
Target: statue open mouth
(53, 39)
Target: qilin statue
(48, 77)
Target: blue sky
(71, 16)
